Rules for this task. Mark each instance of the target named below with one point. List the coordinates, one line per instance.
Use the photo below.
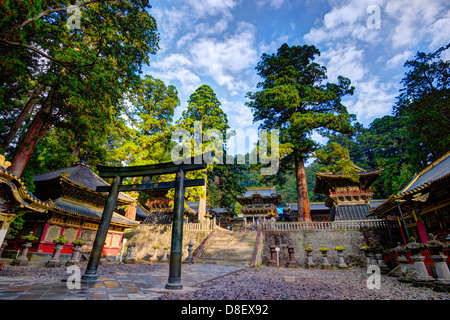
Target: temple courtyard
(145, 281)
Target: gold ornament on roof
(4, 164)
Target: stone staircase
(229, 248)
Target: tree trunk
(35, 132)
(304, 213)
(202, 208)
(21, 118)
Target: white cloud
(212, 7)
(399, 59)
(203, 29)
(439, 32)
(346, 21)
(176, 68)
(413, 19)
(345, 60)
(239, 115)
(277, 4)
(169, 22)
(225, 61)
(373, 99)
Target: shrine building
(423, 205)
(347, 200)
(257, 204)
(66, 202)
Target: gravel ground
(39, 273)
(264, 283)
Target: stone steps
(229, 248)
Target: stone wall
(351, 240)
(145, 237)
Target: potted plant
(78, 242)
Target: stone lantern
(371, 253)
(22, 260)
(273, 255)
(401, 258)
(59, 244)
(365, 249)
(309, 264)
(340, 250)
(76, 249)
(436, 247)
(421, 278)
(130, 253)
(326, 265)
(292, 263)
(190, 249)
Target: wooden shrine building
(259, 203)
(65, 202)
(348, 200)
(423, 205)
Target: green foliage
(78, 242)
(295, 99)
(424, 107)
(17, 224)
(68, 79)
(337, 160)
(143, 132)
(29, 238)
(223, 180)
(60, 240)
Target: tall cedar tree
(294, 99)
(144, 135)
(63, 77)
(223, 180)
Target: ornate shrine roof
(259, 195)
(326, 181)
(16, 196)
(433, 177)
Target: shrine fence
(327, 225)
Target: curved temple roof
(24, 198)
(432, 174)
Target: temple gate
(147, 171)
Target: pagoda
(347, 199)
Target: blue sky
(219, 43)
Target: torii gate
(147, 171)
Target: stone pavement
(142, 286)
